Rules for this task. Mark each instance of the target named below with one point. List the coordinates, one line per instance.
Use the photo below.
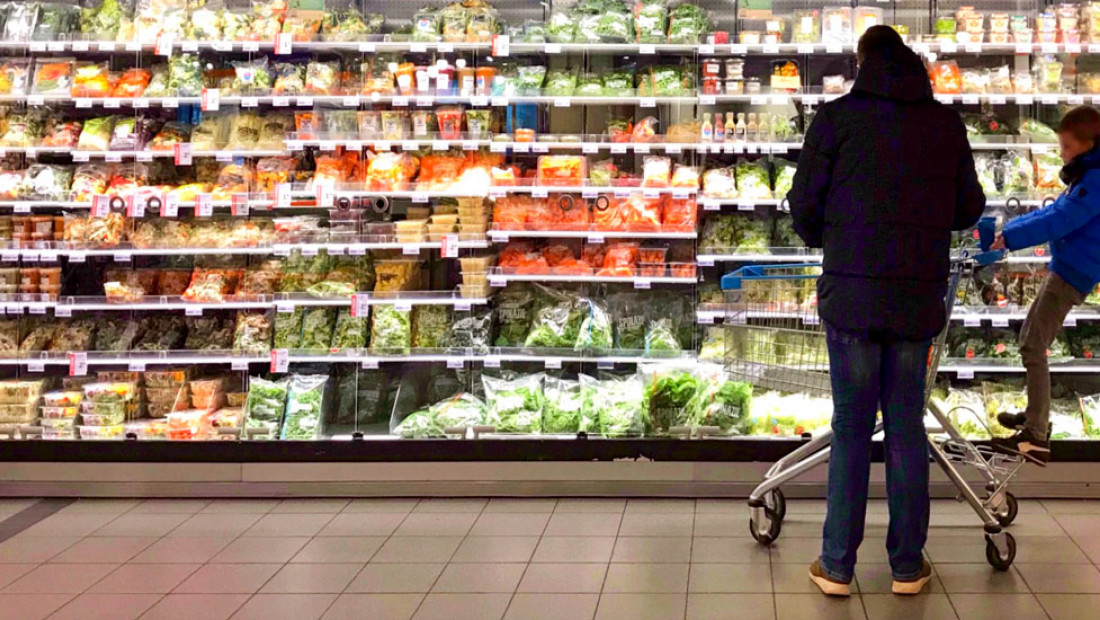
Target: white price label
(559, 102)
(589, 193)
(780, 99)
(1000, 321)
(746, 206)
(284, 44)
(222, 46)
(23, 207)
(499, 102)
(834, 48)
(424, 101)
(83, 103)
(164, 44)
(239, 365)
(352, 102)
(420, 197)
(410, 250)
(62, 311)
(758, 100)
(498, 147)
(456, 363)
(998, 100)
(673, 149)
(224, 156)
(647, 49)
(112, 157)
(282, 195)
(965, 373)
(945, 99)
(36, 100)
(497, 236)
(641, 149)
(418, 47)
(1049, 99)
(1075, 100)
(79, 156)
(1070, 321)
(805, 48)
(33, 366)
(144, 156)
(204, 205)
(973, 48)
(140, 103)
(770, 49)
(369, 365)
(280, 360)
(170, 206)
(1025, 99)
(136, 366)
(540, 193)
(250, 46)
(183, 154)
(618, 149)
(189, 46)
(739, 49)
(705, 318)
(970, 100)
(446, 48)
(123, 257)
(367, 46)
(449, 246)
(500, 45)
(553, 363)
(595, 238)
(492, 362)
(706, 49)
(972, 321)
(250, 102)
(705, 262)
(81, 46)
(708, 100)
(1050, 48)
(210, 100)
(949, 47)
(1023, 48)
(552, 48)
(106, 46)
(497, 281)
(170, 102)
(304, 102)
(193, 311)
(78, 363)
(280, 102)
(521, 147)
(642, 284)
(648, 102)
(49, 256)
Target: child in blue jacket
(1071, 225)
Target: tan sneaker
(915, 585)
(828, 586)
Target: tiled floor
(519, 559)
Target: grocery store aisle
(522, 559)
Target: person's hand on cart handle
(998, 243)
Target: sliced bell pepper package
(620, 260)
(607, 214)
(90, 80)
(645, 130)
(562, 170)
(132, 83)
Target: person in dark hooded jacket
(885, 175)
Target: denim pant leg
(904, 367)
(854, 365)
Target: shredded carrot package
(132, 83)
(390, 171)
(607, 215)
(572, 267)
(641, 213)
(510, 212)
(556, 253)
(438, 172)
(593, 253)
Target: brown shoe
(915, 585)
(828, 586)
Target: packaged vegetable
(90, 80)
(266, 403)
(431, 326)
(391, 330)
(53, 76)
(304, 407)
(184, 75)
(615, 404)
(514, 406)
(253, 333)
(13, 76)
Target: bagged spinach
(288, 328)
(473, 330)
(594, 331)
(615, 404)
(722, 403)
(514, 406)
(317, 326)
(668, 390)
(629, 312)
(350, 332)
(391, 330)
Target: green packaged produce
(317, 328)
(615, 404)
(564, 407)
(514, 406)
(304, 407)
(350, 332)
(391, 330)
(431, 326)
(265, 403)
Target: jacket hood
(1074, 170)
(894, 73)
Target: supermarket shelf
(964, 367)
(593, 236)
(499, 279)
(123, 253)
(977, 315)
(706, 260)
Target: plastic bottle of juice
(706, 133)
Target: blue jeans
(869, 373)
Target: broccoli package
(514, 406)
(563, 411)
(265, 403)
(616, 404)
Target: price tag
(418, 47)
(224, 156)
(163, 45)
(500, 45)
(648, 102)
(497, 236)
(382, 146)
(113, 157)
(1050, 48)
(498, 147)
(424, 102)
(280, 102)
(353, 102)
(973, 48)
(49, 256)
(497, 281)
(618, 149)
(540, 148)
(83, 103)
(37, 46)
(811, 320)
(440, 145)
(499, 102)
(101, 205)
(834, 48)
(965, 373)
(642, 284)
(595, 238)
(81, 46)
(78, 363)
(170, 206)
(284, 44)
(419, 197)
(34, 366)
(357, 250)
(1000, 321)
(410, 250)
(106, 46)
(972, 321)
(1070, 321)
(553, 363)
(540, 193)
(183, 154)
(324, 193)
(771, 49)
(36, 100)
(673, 149)
(805, 48)
(449, 246)
(280, 360)
(282, 196)
(136, 367)
(210, 100)
(1075, 100)
(309, 250)
(1025, 99)
(136, 206)
(949, 47)
(707, 100)
(552, 48)
(170, 102)
(945, 99)
(739, 49)
(140, 103)
(367, 46)
(204, 205)
(189, 46)
(222, 46)
(641, 149)
(759, 100)
(239, 365)
(651, 194)
(37, 309)
(250, 102)
(1049, 99)
(780, 99)
(369, 365)
(62, 311)
(469, 146)
(400, 102)
(706, 49)
(746, 206)
(327, 145)
(250, 46)
(23, 207)
(998, 100)
(970, 99)
(647, 50)
(559, 102)
(705, 262)
(521, 147)
(193, 311)
(123, 257)
(1023, 48)
(705, 318)
(491, 362)
(79, 157)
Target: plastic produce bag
(317, 328)
(304, 407)
(184, 75)
(722, 403)
(265, 403)
(687, 24)
(651, 21)
(669, 389)
(515, 311)
(514, 406)
(616, 405)
(391, 330)
(595, 328)
(350, 332)
(564, 408)
(431, 326)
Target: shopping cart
(775, 341)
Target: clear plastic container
(57, 429)
(651, 270)
(59, 413)
(682, 270)
(103, 419)
(101, 432)
(652, 255)
(62, 398)
(475, 264)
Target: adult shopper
(885, 175)
(1072, 227)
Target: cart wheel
(1010, 510)
(994, 556)
(778, 502)
(775, 524)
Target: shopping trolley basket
(775, 341)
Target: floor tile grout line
(607, 569)
(528, 564)
(448, 562)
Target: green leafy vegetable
(564, 407)
(391, 330)
(265, 403)
(303, 409)
(514, 406)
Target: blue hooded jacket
(1071, 225)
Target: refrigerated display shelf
(593, 236)
(333, 248)
(497, 279)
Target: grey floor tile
(30, 606)
(949, 551)
(510, 524)
(657, 524)
(675, 506)
(615, 606)
(396, 578)
(99, 505)
(310, 506)
(436, 524)
(878, 579)
(457, 504)
(228, 579)
(418, 549)
(812, 507)
(240, 506)
(728, 550)
(1079, 524)
(921, 607)
(381, 506)
(170, 506)
(1048, 550)
(11, 572)
(563, 578)
(135, 524)
(722, 525)
(660, 550)
(285, 607)
(980, 579)
(312, 579)
(721, 506)
(730, 579)
(59, 579)
(1070, 606)
(1089, 545)
(795, 550)
(574, 549)
(480, 578)
(79, 525)
(363, 524)
(106, 607)
(443, 606)
(998, 606)
(552, 607)
(510, 504)
(34, 550)
(795, 579)
(818, 607)
(381, 606)
(496, 549)
(144, 579)
(107, 550)
(730, 607)
(182, 550)
(290, 524)
(1061, 578)
(215, 526)
(260, 550)
(645, 578)
(339, 549)
(191, 606)
(583, 524)
(591, 505)
(1059, 507)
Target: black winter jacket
(885, 175)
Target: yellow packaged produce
(396, 275)
(19, 392)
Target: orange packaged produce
(641, 213)
(685, 176)
(946, 78)
(555, 253)
(390, 171)
(510, 212)
(91, 80)
(682, 270)
(620, 260)
(132, 83)
(656, 172)
(438, 172)
(607, 214)
(562, 170)
(680, 215)
(449, 120)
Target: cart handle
(732, 281)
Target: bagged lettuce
(564, 408)
(514, 406)
(265, 403)
(460, 410)
(391, 329)
(615, 404)
(668, 390)
(304, 407)
(722, 403)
